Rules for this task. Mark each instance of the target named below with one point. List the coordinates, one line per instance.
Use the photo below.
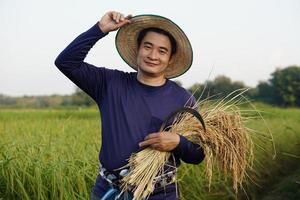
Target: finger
(122, 23)
(147, 142)
(128, 16)
(127, 21)
(118, 17)
(110, 14)
(152, 135)
(157, 147)
(122, 18)
(114, 16)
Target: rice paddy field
(53, 154)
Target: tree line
(282, 89)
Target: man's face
(154, 54)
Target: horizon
(69, 94)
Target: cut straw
(226, 143)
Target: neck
(151, 80)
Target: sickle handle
(182, 110)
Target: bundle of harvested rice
(226, 143)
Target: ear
(171, 60)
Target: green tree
(265, 92)
(196, 89)
(178, 82)
(80, 98)
(6, 100)
(286, 84)
(220, 87)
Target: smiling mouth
(151, 64)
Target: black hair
(143, 33)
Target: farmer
(134, 105)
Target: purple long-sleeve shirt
(130, 110)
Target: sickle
(192, 111)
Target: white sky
(245, 40)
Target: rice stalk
(226, 142)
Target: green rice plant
(53, 154)
(48, 154)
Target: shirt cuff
(181, 146)
(95, 30)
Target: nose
(152, 55)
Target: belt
(114, 179)
(165, 179)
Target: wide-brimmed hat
(126, 43)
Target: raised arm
(70, 61)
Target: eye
(147, 47)
(162, 52)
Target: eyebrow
(149, 43)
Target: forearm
(72, 57)
(70, 62)
(188, 151)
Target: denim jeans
(123, 197)
(95, 197)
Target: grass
(287, 188)
(48, 154)
(53, 154)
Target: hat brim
(126, 43)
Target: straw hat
(126, 43)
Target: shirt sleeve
(186, 150)
(87, 77)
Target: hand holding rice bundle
(225, 140)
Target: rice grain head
(226, 143)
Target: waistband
(113, 178)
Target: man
(134, 105)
